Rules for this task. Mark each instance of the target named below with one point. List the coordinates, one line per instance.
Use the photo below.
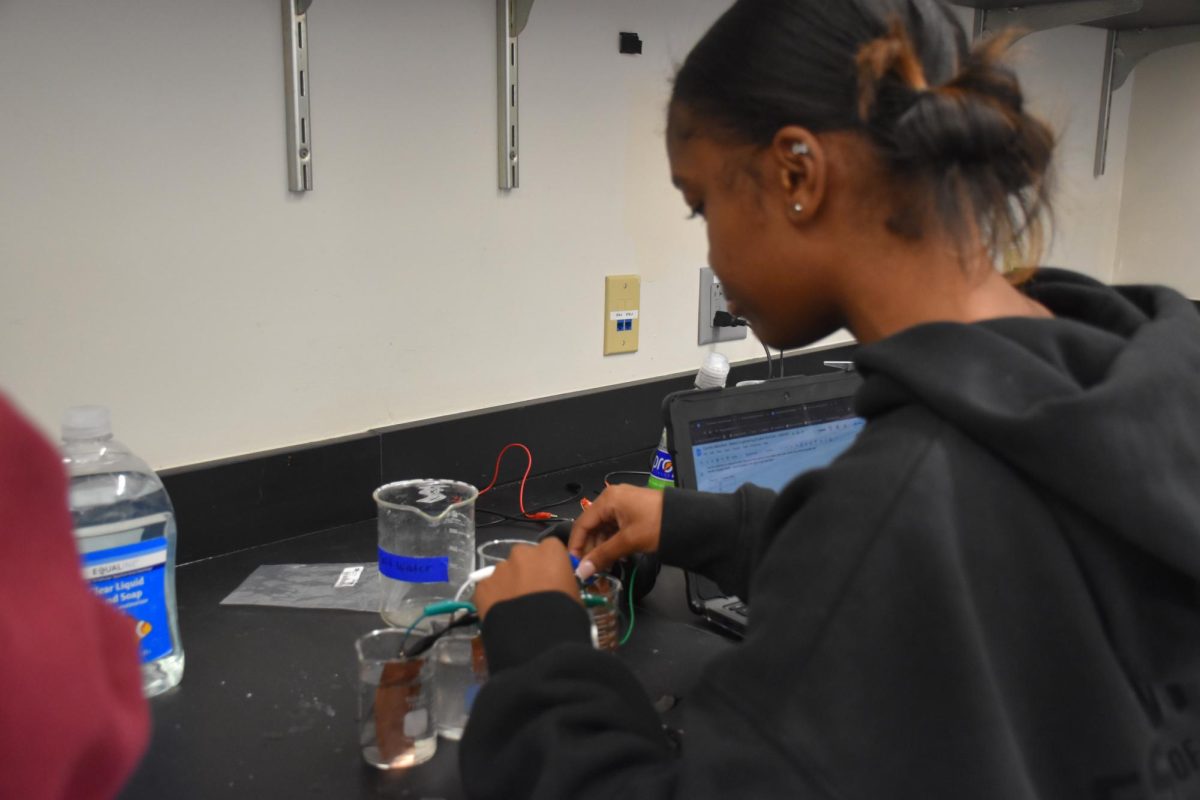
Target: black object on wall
(253, 500)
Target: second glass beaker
(426, 546)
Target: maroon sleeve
(73, 722)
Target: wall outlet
(712, 300)
(622, 301)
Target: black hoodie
(994, 593)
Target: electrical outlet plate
(712, 300)
(622, 302)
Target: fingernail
(586, 570)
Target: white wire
(473, 578)
(462, 590)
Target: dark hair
(947, 120)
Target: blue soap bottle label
(132, 577)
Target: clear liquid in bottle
(125, 531)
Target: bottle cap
(713, 372)
(86, 422)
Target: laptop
(765, 434)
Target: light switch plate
(622, 301)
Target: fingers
(551, 548)
(602, 558)
(624, 520)
(528, 570)
(593, 526)
(603, 518)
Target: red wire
(524, 478)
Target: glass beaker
(497, 551)
(426, 546)
(605, 618)
(395, 711)
(460, 670)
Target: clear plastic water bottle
(712, 375)
(125, 531)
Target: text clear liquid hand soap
(125, 531)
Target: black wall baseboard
(229, 505)
(252, 500)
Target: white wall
(152, 259)
(1062, 71)
(1160, 234)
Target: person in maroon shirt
(73, 722)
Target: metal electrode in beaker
(395, 714)
(426, 546)
(606, 618)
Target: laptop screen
(770, 447)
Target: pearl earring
(798, 208)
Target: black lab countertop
(267, 703)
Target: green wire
(629, 630)
(450, 607)
(433, 610)
(411, 628)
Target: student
(994, 592)
(73, 723)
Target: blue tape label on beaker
(414, 570)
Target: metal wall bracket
(1031, 19)
(296, 83)
(511, 18)
(1124, 51)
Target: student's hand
(624, 520)
(536, 568)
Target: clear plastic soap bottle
(712, 375)
(125, 531)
